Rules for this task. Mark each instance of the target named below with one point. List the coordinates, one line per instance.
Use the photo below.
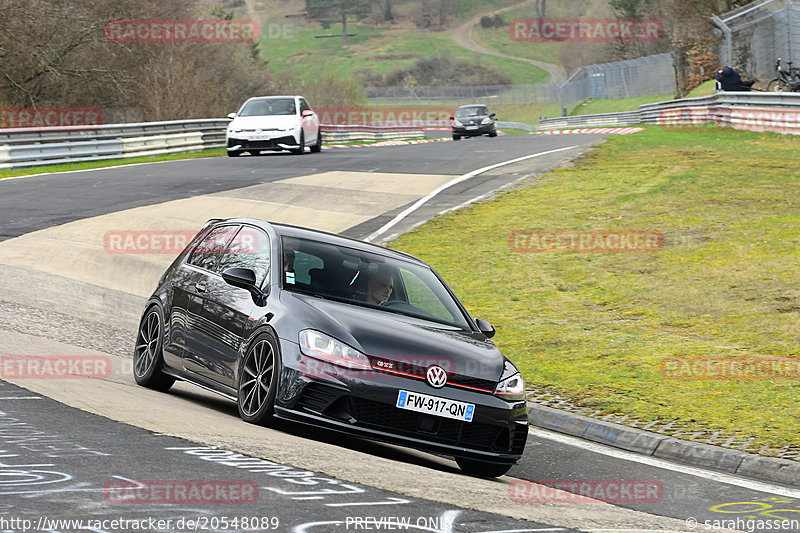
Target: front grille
(375, 415)
(418, 370)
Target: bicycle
(787, 81)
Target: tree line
(55, 53)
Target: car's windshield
(472, 111)
(268, 106)
(367, 279)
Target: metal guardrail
(27, 147)
(776, 112)
(627, 118)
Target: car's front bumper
(480, 129)
(272, 143)
(366, 407)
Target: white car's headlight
(511, 386)
(234, 130)
(487, 120)
(320, 346)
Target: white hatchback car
(273, 123)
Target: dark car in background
(313, 327)
(473, 120)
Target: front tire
(258, 381)
(318, 145)
(301, 147)
(456, 137)
(472, 467)
(148, 359)
(234, 153)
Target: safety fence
(773, 112)
(642, 76)
(30, 147)
(755, 35)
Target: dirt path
(463, 36)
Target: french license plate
(472, 127)
(433, 405)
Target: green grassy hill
(292, 45)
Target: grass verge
(596, 327)
(68, 167)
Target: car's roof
(288, 230)
(472, 105)
(274, 97)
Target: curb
(612, 131)
(681, 451)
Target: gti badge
(436, 376)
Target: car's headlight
(511, 386)
(487, 120)
(457, 122)
(234, 130)
(320, 346)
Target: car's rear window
(367, 279)
(268, 106)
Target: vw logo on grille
(436, 376)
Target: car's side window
(304, 105)
(422, 297)
(303, 264)
(209, 250)
(250, 248)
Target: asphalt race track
(67, 446)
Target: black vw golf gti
(320, 329)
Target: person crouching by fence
(730, 80)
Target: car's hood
(405, 340)
(265, 122)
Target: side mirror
(231, 116)
(307, 113)
(486, 328)
(492, 115)
(244, 278)
(452, 118)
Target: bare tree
(54, 53)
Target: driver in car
(380, 286)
